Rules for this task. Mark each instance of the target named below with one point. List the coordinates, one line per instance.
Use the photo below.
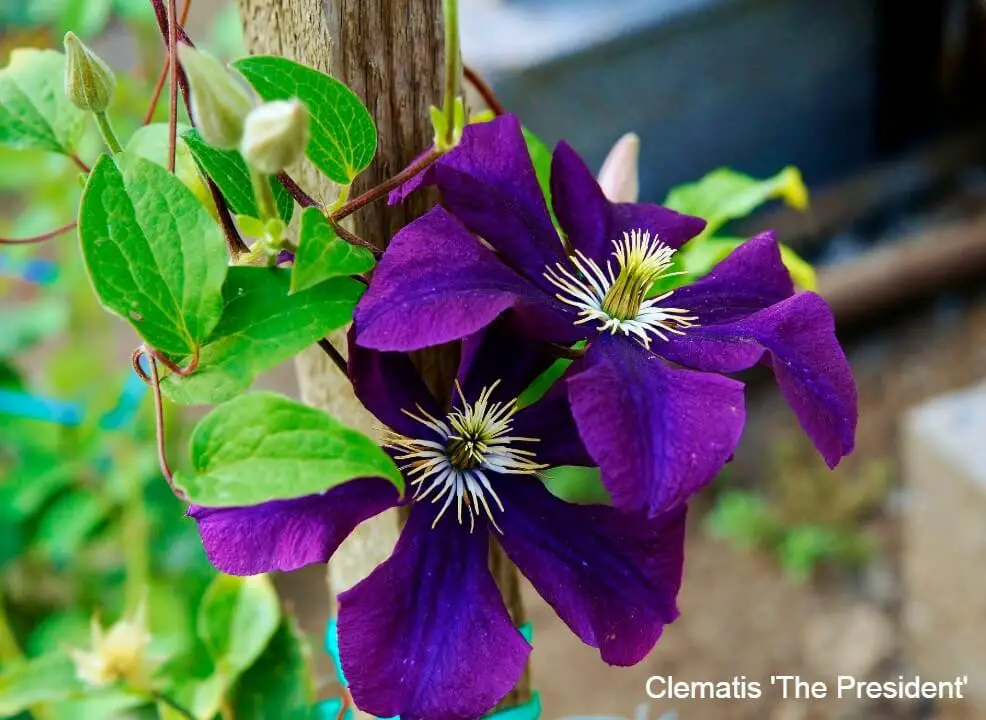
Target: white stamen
(617, 300)
(473, 440)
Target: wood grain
(390, 53)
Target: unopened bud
(119, 653)
(619, 176)
(275, 135)
(89, 82)
(219, 102)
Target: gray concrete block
(944, 540)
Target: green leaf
(578, 485)
(322, 254)
(154, 255)
(279, 684)
(264, 446)
(725, 195)
(229, 171)
(151, 142)
(261, 326)
(343, 137)
(34, 111)
(43, 679)
(541, 158)
(236, 620)
(700, 255)
(543, 382)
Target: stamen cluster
(617, 299)
(470, 443)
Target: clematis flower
(426, 635)
(650, 398)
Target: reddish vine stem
(334, 355)
(296, 191)
(165, 67)
(347, 703)
(173, 72)
(81, 165)
(386, 186)
(354, 239)
(39, 238)
(150, 352)
(484, 90)
(162, 454)
(234, 243)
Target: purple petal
(437, 283)
(747, 312)
(797, 339)
(426, 636)
(288, 534)
(488, 182)
(425, 177)
(387, 384)
(750, 278)
(499, 353)
(592, 222)
(612, 577)
(657, 433)
(550, 421)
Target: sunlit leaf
(264, 446)
(154, 255)
(323, 255)
(343, 136)
(34, 111)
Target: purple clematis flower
(649, 398)
(426, 635)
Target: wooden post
(390, 52)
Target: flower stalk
(450, 9)
(109, 135)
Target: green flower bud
(219, 102)
(275, 135)
(89, 82)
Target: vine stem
(106, 130)
(386, 186)
(234, 243)
(296, 191)
(81, 165)
(162, 454)
(39, 238)
(165, 68)
(484, 90)
(173, 72)
(334, 355)
(450, 9)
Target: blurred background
(873, 570)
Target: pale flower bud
(219, 102)
(116, 654)
(619, 176)
(89, 82)
(275, 135)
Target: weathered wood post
(390, 52)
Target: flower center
(472, 441)
(617, 299)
